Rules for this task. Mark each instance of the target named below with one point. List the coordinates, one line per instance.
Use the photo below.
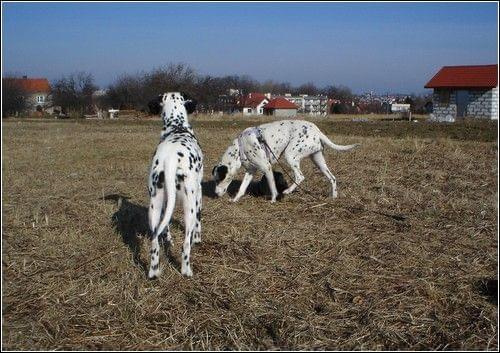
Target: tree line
(76, 92)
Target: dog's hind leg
(197, 227)
(294, 163)
(155, 213)
(320, 162)
(189, 203)
(268, 172)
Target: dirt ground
(405, 258)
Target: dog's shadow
(255, 188)
(131, 222)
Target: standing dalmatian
(176, 171)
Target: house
(312, 105)
(280, 107)
(253, 103)
(465, 91)
(36, 90)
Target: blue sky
(386, 47)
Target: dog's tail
(170, 169)
(326, 141)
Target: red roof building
(36, 92)
(31, 85)
(280, 107)
(476, 76)
(280, 103)
(465, 91)
(253, 103)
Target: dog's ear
(219, 172)
(190, 106)
(189, 103)
(155, 105)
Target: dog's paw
(187, 272)
(153, 274)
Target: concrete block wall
(494, 103)
(483, 104)
(444, 111)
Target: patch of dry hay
(393, 263)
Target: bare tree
(127, 92)
(341, 93)
(74, 92)
(13, 97)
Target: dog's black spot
(180, 154)
(161, 179)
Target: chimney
(25, 77)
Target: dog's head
(224, 172)
(172, 101)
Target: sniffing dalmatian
(258, 148)
(176, 172)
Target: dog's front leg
(243, 187)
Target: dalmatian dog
(258, 148)
(176, 172)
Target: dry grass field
(402, 259)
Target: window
(444, 96)
(249, 110)
(40, 99)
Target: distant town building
(465, 91)
(280, 107)
(312, 105)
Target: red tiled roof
(252, 100)
(280, 103)
(478, 76)
(31, 85)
